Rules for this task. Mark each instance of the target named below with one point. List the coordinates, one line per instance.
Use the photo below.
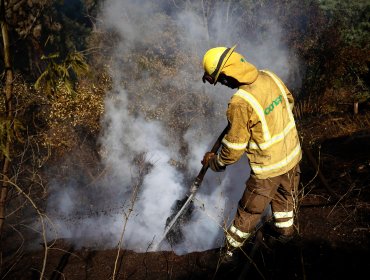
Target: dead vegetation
(332, 115)
(328, 224)
(335, 137)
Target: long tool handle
(173, 221)
(193, 189)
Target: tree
(350, 66)
(7, 124)
(354, 18)
(40, 28)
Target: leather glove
(210, 159)
(207, 157)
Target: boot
(272, 237)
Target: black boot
(273, 238)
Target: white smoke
(128, 136)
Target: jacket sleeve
(216, 165)
(236, 139)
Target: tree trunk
(9, 114)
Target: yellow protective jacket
(261, 122)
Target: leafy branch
(64, 73)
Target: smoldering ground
(137, 201)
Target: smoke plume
(140, 152)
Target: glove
(210, 159)
(207, 157)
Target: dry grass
(58, 125)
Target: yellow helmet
(213, 62)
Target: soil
(332, 242)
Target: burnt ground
(333, 231)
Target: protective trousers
(279, 191)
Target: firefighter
(262, 126)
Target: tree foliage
(350, 62)
(62, 72)
(40, 28)
(353, 19)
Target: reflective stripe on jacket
(262, 125)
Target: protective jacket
(261, 122)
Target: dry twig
(142, 170)
(42, 216)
